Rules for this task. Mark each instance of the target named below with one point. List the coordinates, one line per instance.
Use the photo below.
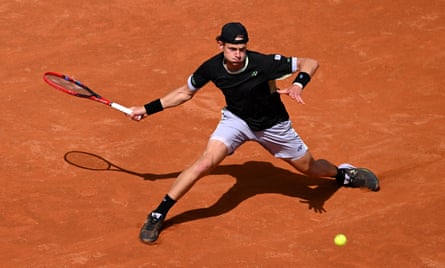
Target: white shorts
(281, 140)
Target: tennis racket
(73, 87)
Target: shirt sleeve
(281, 66)
(198, 79)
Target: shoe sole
(151, 239)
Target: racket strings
(71, 85)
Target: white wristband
(298, 84)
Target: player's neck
(235, 68)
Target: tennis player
(253, 112)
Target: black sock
(340, 177)
(165, 205)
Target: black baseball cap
(233, 33)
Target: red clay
(376, 101)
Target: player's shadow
(252, 178)
(256, 177)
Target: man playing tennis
(253, 112)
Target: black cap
(234, 33)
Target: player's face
(234, 55)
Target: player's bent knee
(203, 166)
(215, 152)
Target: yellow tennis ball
(340, 240)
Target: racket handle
(124, 109)
(121, 108)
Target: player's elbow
(309, 65)
(315, 65)
(188, 94)
(184, 95)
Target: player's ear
(220, 44)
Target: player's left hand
(294, 92)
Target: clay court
(376, 101)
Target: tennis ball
(340, 240)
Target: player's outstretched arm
(172, 99)
(177, 97)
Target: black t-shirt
(247, 93)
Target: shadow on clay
(252, 178)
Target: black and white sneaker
(358, 177)
(151, 228)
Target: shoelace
(350, 175)
(152, 221)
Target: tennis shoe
(151, 228)
(358, 177)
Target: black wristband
(302, 79)
(153, 107)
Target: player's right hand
(138, 113)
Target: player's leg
(230, 133)
(213, 154)
(311, 167)
(345, 174)
(284, 142)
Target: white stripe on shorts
(281, 140)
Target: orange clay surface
(376, 101)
